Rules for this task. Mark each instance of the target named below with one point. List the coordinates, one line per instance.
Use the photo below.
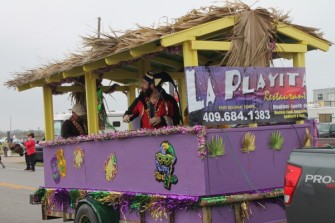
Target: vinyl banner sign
(240, 95)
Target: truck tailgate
(313, 199)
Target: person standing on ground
(31, 151)
(3, 166)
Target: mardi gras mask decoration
(165, 160)
(78, 160)
(61, 162)
(110, 167)
(54, 170)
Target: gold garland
(79, 128)
(156, 107)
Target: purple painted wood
(136, 165)
(261, 211)
(267, 211)
(183, 216)
(235, 172)
(238, 172)
(223, 214)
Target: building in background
(323, 106)
(324, 96)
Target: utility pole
(10, 130)
(99, 26)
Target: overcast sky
(36, 32)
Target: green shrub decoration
(276, 140)
(215, 147)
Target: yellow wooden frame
(191, 42)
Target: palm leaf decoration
(215, 147)
(248, 143)
(252, 41)
(276, 140)
(308, 140)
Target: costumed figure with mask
(155, 107)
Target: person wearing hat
(155, 107)
(31, 151)
(76, 125)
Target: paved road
(15, 187)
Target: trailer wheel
(85, 214)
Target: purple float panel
(73, 178)
(135, 165)
(234, 172)
(182, 216)
(264, 168)
(270, 211)
(224, 213)
(259, 212)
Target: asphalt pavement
(14, 158)
(15, 187)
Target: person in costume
(155, 107)
(76, 125)
(31, 151)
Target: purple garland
(198, 129)
(61, 197)
(129, 201)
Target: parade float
(229, 167)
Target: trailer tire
(86, 214)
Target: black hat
(149, 77)
(161, 77)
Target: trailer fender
(103, 212)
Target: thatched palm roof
(110, 43)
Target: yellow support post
(182, 94)
(190, 59)
(48, 113)
(91, 103)
(299, 60)
(131, 97)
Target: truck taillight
(292, 176)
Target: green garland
(39, 194)
(74, 197)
